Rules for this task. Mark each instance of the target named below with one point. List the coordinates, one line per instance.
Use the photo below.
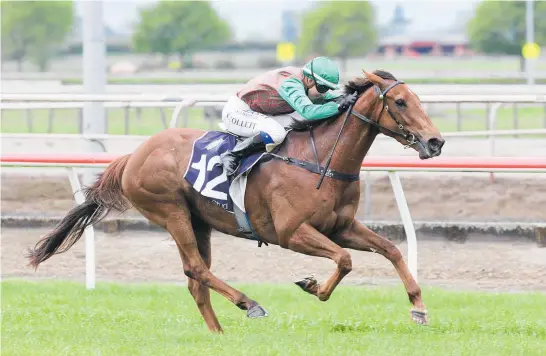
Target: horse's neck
(354, 143)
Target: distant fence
(182, 103)
(428, 98)
(63, 101)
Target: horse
(282, 205)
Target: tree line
(36, 30)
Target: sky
(263, 17)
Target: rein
(333, 148)
(324, 171)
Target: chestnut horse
(283, 203)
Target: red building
(424, 45)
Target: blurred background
(181, 47)
(445, 41)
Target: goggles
(321, 88)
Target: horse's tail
(101, 197)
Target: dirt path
(432, 196)
(486, 263)
(152, 257)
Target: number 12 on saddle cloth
(207, 176)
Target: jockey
(258, 109)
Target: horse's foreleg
(359, 237)
(309, 241)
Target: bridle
(409, 137)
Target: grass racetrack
(63, 318)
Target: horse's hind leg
(200, 292)
(359, 237)
(180, 227)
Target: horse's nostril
(435, 144)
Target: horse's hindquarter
(154, 176)
(156, 166)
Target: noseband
(409, 137)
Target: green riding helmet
(324, 72)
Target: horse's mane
(358, 84)
(361, 84)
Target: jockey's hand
(345, 101)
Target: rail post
(94, 75)
(492, 125)
(89, 231)
(176, 112)
(411, 239)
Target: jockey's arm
(326, 97)
(293, 91)
(332, 95)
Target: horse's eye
(400, 102)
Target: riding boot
(230, 160)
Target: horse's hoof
(306, 283)
(256, 312)
(419, 317)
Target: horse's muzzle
(431, 148)
(435, 145)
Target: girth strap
(313, 168)
(242, 217)
(244, 225)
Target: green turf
(476, 119)
(473, 81)
(62, 318)
(150, 120)
(134, 81)
(185, 81)
(65, 121)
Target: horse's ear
(377, 80)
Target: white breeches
(239, 119)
